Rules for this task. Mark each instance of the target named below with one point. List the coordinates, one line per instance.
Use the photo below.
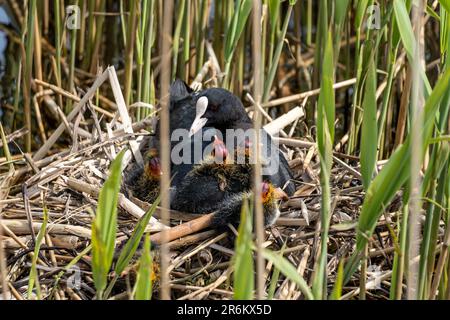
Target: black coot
(182, 114)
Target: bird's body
(182, 114)
(230, 209)
(210, 182)
(144, 188)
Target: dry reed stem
(164, 136)
(257, 171)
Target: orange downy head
(269, 193)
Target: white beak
(199, 122)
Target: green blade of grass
(394, 175)
(399, 257)
(131, 245)
(104, 226)
(129, 50)
(445, 4)
(144, 281)
(6, 150)
(325, 138)
(276, 57)
(339, 20)
(146, 89)
(407, 36)
(275, 277)
(233, 34)
(70, 265)
(37, 247)
(369, 137)
(337, 289)
(73, 53)
(431, 226)
(289, 271)
(176, 37)
(274, 17)
(361, 7)
(57, 12)
(28, 71)
(243, 278)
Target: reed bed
(355, 92)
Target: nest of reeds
(65, 185)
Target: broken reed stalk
(304, 95)
(123, 202)
(40, 154)
(22, 227)
(183, 229)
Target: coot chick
(208, 183)
(229, 210)
(225, 111)
(143, 182)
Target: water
(4, 20)
(3, 40)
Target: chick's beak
(279, 194)
(156, 167)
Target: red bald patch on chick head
(266, 191)
(219, 151)
(153, 164)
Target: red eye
(213, 107)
